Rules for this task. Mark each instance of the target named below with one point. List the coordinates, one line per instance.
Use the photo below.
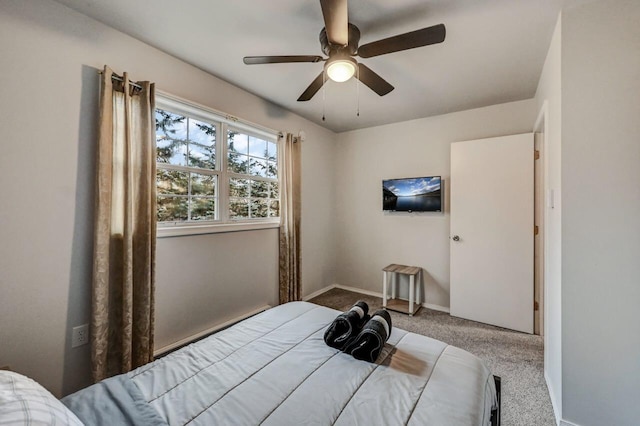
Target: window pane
(202, 144)
(202, 133)
(237, 142)
(237, 163)
(202, 156)
(274, 208)
(238, 209)
(172, 182)
(203, 184)
(171, 151)
(272, 148)
(259, 189)
(257, 147)
(257, 167)
(272, 169)
(171, 134)
(238, 188)
(171, 209)
(203, 208)
(259, 208)
(275, 192)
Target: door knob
(456, 238)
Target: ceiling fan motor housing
(350, 49)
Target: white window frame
(223, 123)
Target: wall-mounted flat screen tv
(420, 194)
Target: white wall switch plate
(80, 335)
(551, 199)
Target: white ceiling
(493, 53)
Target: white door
(492, 231)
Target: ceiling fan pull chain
(358, 92)
(324, 81)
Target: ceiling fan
(339, 40)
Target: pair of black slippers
(358, 334)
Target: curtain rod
(118, 78)
(137, 86)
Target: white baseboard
(208, 331)
(368, 293)
(358, 290)
(376, 294)
(436, 307)
(318, 292)
(556, 411)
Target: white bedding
(23, 401)
(275, 369)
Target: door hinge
(536, 154)
(536, 306)
(535, 230)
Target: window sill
(183, 230)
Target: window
(253, 176)
(208, 181)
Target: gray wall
(48, 97)
(549, 96)
(601, 213)
(204, 280)
(369, 239)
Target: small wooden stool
(398, 305)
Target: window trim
(169, 101)
(197, 111)
(209, 228)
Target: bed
(275, 369)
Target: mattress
(275, 369)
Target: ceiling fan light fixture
(340, 70)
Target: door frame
(541, 126)
(538, 235)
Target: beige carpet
(514, 356)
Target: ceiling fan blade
(336, 21)
(419, 38)
(313, 88)
(373, 80)
(254, 60)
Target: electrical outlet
(79, 335)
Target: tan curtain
(125, 229)
(290, 286)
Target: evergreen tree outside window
(253, 183)
(203, 178)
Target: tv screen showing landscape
(422, 194)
